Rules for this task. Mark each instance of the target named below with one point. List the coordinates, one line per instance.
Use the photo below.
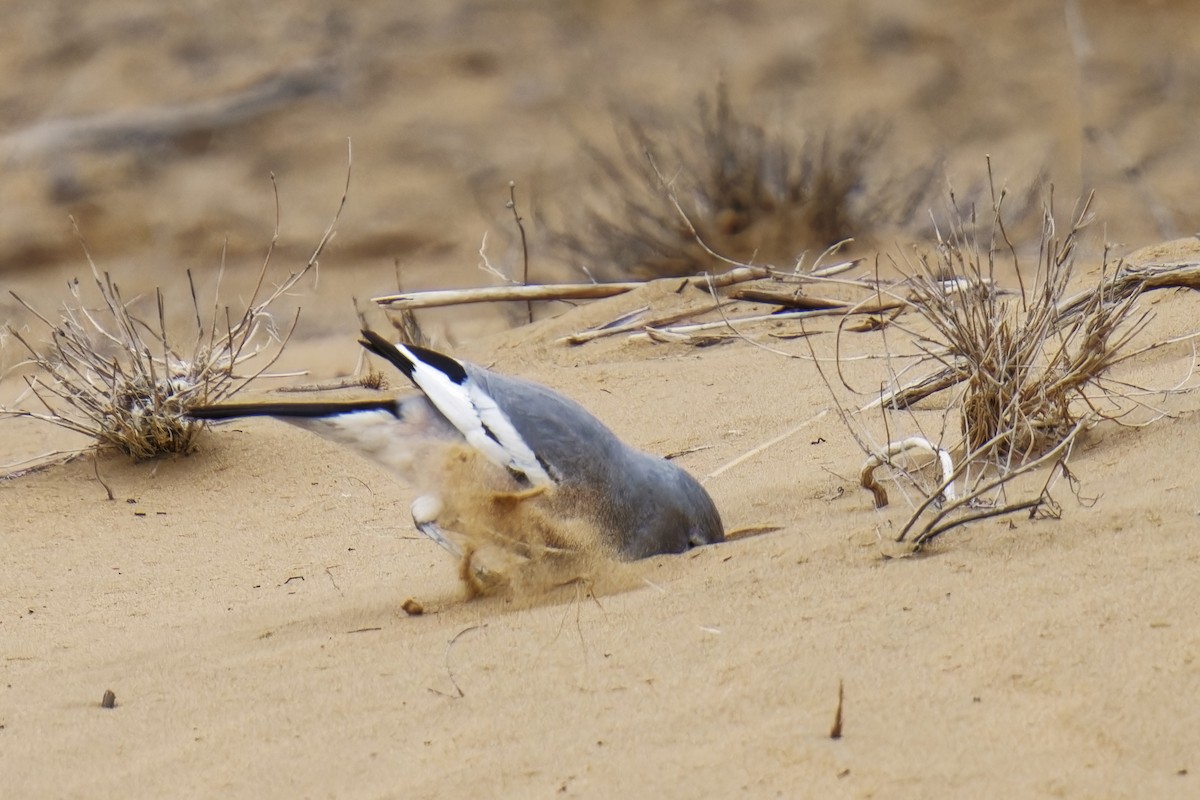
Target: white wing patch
(521, 457)
(478, 418)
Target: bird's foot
(480, 580)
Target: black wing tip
(373, 341)
(381, 347)
(377, 344)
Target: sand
(244, 603)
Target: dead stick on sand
(138, 127)
(449, 672)
(557, 291)
(27, 466)
(727, 323)
(765, 445)
(625, 327)
(437, 298)
(789, 299)
(647, 328)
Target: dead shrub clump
(751, 195)
(115, 376)
(1032, 366)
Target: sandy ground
(244, 603)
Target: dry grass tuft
(1030, 363)
(118, 378)
(751, 195)
(1031, 366)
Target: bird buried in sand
(506, 466)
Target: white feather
(521, 456)
(469, 409)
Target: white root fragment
(866, 475)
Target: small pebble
(412, 607)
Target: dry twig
(559, 291)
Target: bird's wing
(465, 403)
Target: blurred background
(158, 126)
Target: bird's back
(644, 504)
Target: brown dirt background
(244, 603)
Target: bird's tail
(323, 408)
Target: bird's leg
(425, 511)
(537, 532)
(511, 499)
(480, 580)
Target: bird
(505, 465)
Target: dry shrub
(752, 195)
(118, 378)
(1031, 366)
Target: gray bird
(508, 463)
